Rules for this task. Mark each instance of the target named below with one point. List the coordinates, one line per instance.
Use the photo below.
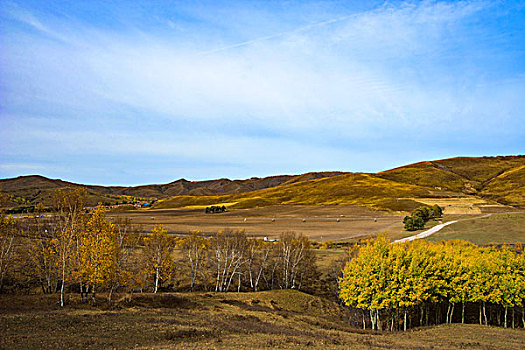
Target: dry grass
(480, 170)
(349, 189)
(497, 228)
(463, 205)
(320, 221)
(497, 178)
(508, 188)
(276, 319)
(426, 174)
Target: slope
(507, 188)
(347, 189)
(27, 190)
(499, 179)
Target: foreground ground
(273, 319)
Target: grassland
(349, 189)
(497, 228)
(499, 179)
(317, 222)
(284, 319)
(508, 188)
(482, 181)
(496, 178)
(480, 170)
(426, 174)
(320, 223)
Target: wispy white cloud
(413, 68)
(21, 167)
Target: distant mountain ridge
(496, 179)
(37, 188)
(474, 183)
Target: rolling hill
(346, 189)
(28, 190)
(471, 185)
(462, 174)
(475, 181)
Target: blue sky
(112, 92)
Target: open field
(320, 222)
(497, 228)
(273, 319)
(463, 205)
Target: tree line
(417, 283)
(215, 209)
(84, 252)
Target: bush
(420, 216)
(215, 209)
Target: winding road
(433, 230)
(425, 233)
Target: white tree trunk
(485, 314)
(156, 280)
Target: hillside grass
(501, 179)
(496, 178)
(482, 169)
(284, 319)
(497, 228)
(508, 188)
(348, 189)
(426, 174)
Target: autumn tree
(195, 250)
(98, 248)
(8, 229)
(128, 238)
(43, 254)
(158, 248)
(365, 280)
(385, 278)
(257, 261)
(296, 259)
(229, 249)
(70, 220)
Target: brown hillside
(507, 188)
(346, 189)
(496, 178)
(499, 179)
(36, 188)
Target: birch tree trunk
(485, 314)
(156, 280)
